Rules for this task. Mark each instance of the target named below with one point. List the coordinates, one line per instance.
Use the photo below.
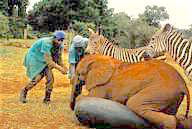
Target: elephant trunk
(76, 90)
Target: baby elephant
(152, 89)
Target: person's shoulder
(47, 41)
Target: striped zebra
(171, 41)
(98, 44)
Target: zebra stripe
(178, 47)
(105, 47)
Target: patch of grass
(17, 42)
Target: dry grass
(34, 114)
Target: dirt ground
(34, 114)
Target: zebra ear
(97, 32)
(91, 30)
(167, 27)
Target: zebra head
(95, 40)
(158, 42)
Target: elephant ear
(99, 74)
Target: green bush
(82, 28)
(4, 26)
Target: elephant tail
(188, 101)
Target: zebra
(171, 41)
(98, 44)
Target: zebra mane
(116, 44)
(179, 47)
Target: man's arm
(60, 60)
(52, 64)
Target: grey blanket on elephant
(106, 114)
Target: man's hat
(77, 41)
(59, 34)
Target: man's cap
(59, 34)
(77, 39)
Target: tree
(16, 24)
(153, 15)
(3, 25)
(187, 33)
(190, 27)
(49, 15)
(130, 32)
(4, 7)
(22, 7)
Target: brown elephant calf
(152, 89)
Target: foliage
(4, 26)
(16, 27)
(3, 6)
(50, 15)
(7, 7)
(82, 27)
(187, 33)
(153, 15)
(190, 27)
(78, 15)
(15, 24)
(22, 5)
(131, 33)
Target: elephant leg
(100, 92)
(151, 102)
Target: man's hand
(51, 65)
(64, 70)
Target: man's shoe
(46, 101)
(23, 95)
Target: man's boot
(47, 99)
(23, 95)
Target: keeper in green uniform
(76, 53)
(44, 55)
